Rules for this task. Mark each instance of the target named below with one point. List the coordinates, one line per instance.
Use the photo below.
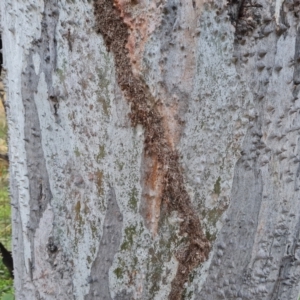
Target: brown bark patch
(140, 19)
(152, 193)
(163, 175)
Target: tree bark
(153, 148)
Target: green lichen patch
(130, 233)
(99, 182)
(133, 200)
(120, 165)
(86, 209)
(154, 276)
(209, 236)
(93, 229)
(80, 224)
(105, 105)
(119, 273)
(89, 259)
(121, 269)
(77, 153)
(192, 276)
(214, 215)
(101, 154)
(77, 210)
(104, 82)
(217, 186)
(187, 295)
(61, 74)
(161, 253)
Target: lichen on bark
(162, 171)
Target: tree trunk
(154, 148)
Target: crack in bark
(145, 111)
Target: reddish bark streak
(163, 181)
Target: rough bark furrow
(145, 111)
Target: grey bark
(153, 148)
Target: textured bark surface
(154, 148)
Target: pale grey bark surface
(159, 165)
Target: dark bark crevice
(245, 15)
(145, 111)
